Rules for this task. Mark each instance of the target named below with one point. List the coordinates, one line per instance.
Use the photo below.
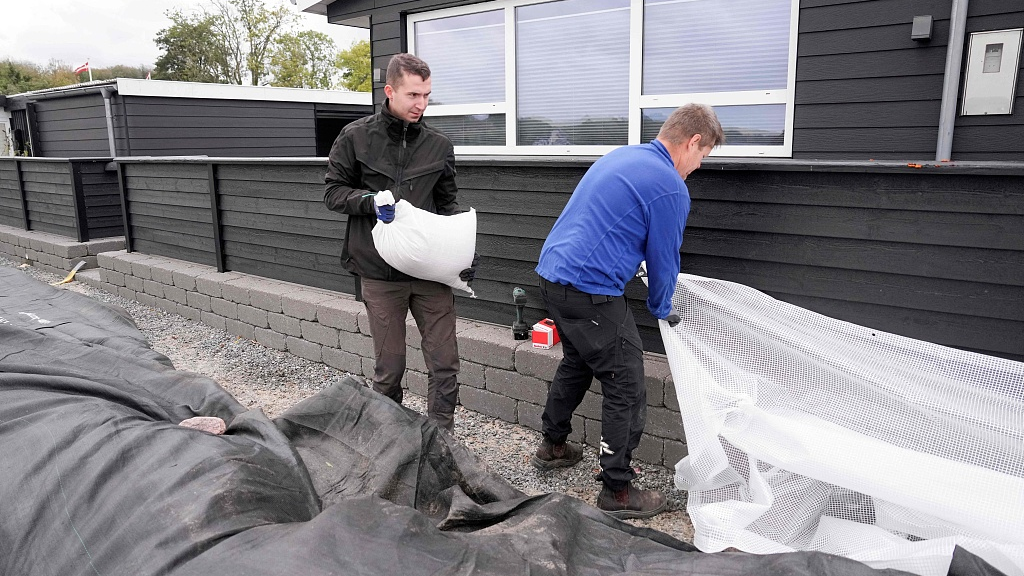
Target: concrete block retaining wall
(53, 253)
(501, 377)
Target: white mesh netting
(809, 433)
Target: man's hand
(672, 320)
(384, 206)
(469, 274)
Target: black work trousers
(599, 340)
(433, 307)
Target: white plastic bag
(428, 246)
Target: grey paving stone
(255, 316)
(484, 402)
(176, 294)
(356, 344)
(237, 290)
(319, 333)
(271, 339)
(671, 400)
(537, 362)
(341, 313)
(650, 450)
(529, 415)
(106, 260)
(112, 277)
(224, 308)
(242, 329)
(211, 319)
(591, 405)
(364, 323)
(153, 287)
(185, 277)
(471, 374)
(97, 247)
(268, 295)
(70, 249)
(198, 301)
(126, 293)
(190, 313)
(302, 304)
(664, 423)
(514, 385)
(344, 361)
(284, 324)
(674, 452)
(416, 382)
(210, 282)
(305, 349)
(488, 345)
(145, 299)
(656, 370)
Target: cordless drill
(520, 330)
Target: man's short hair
(402, 64)
(691, 119)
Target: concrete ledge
(53, 253)
(501, 377)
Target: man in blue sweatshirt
(630, 207)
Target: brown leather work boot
(631, 502)
(550, 455)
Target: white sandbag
(428, 246)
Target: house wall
(864, 89)
(71, 127)
(932, 253)
(197, 126)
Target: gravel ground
(272, 380)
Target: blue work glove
(384, 206)
(672, 320)
(469, 274)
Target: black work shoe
(550, 455)
(631, 502)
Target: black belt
(568, 289)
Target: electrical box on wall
(992, 63)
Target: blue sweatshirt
(629, 207)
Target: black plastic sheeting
(97, 478)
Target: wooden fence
(77, 198)
(934, 253)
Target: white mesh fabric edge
(809, 433)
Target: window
(584, 76)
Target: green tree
(18, 77)
(249, 30)
(193, 50)
(355, 63)
(303, 60)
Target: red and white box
(545, 335)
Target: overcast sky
(111, 32)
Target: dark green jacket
(382, 152)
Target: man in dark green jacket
(394, 150)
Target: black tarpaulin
(98, 478)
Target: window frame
(637, 101)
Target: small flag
(82, 68)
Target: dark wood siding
(235, 128)
(102, 199)
(274, 224)
(169, 210)
(934, 254)
(48, 197)
(10, 194)
(71, 127)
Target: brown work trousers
(433, 307)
